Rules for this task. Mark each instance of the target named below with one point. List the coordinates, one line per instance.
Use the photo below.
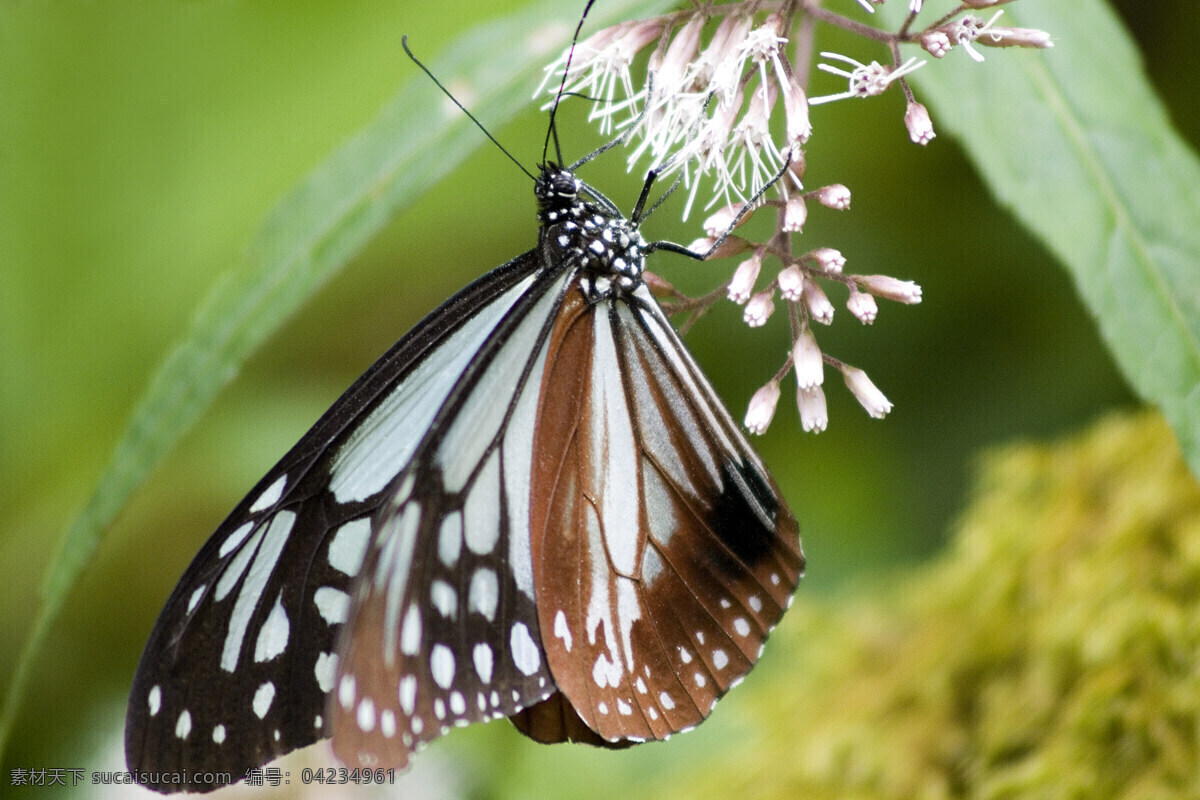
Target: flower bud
(762, 408)
(742, 283)
(791, 283)
(828, 259)
(920, 127)
(813, 415)
(865, 392)
(817, 303)
(891, 288)
(759, 309)
(806, 358)
(862, 306)
(835, 196)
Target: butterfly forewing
(443, 629)
(237, 668)
(662, 552)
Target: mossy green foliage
(1050, 653)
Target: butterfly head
(608, 247)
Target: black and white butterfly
(533, 506)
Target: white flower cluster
(705, 110)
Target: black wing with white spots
(237, 669)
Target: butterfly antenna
(552, 130)
(462, 108)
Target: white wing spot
(624, 708)
(410, 634)
(755, 603)
(775, 578)
(325, 669)
(219, 734)
(525, 651)
(641, 685)
(684, 655)
(441, 666)
(700, 637)
(273, 635)
(653, 712)
(720, 660)
(249, 596)
(481, 701)
(602, 707)
(700, 680)
(154, 699)
(234, 539)
(387, 723)
(417, 725)
(349, 546)
(439, 708)
(665, 701)
(482, 655)
(408, 694)
(317, 722)
(333, 604)
(184, 725)
(494, 699)
(195, 598)
(366, 715)
(484, 594)
(270, 496)
(444, 598)
(458, 703)
(346, 691)
(262, 699)
(450, 539)
(561, 630)
(741, 626)
(726, 604)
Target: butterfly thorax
(607, 247)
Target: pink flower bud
(828, 259)
(936, 43)
(762, 408)
(721, 220)
(791, 284)
(813, 415)
(891, 288)
(795, 106)
(862, 306)
(794, 214)
(835, 196)
(920, 127)
(806, 358)
(817, 303)
(759, 309)
(732, 246)
(865, 392)
(742, 283)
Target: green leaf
(305, 239)
(1074, 141)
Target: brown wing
(662, 551)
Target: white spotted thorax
(607, 246)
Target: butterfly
(533, 506)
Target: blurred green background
(141, 146)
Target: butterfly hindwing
(663, 554)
